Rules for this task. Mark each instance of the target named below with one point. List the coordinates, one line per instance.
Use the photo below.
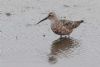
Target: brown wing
(77, 23)
(67, 23)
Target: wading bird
(61, 26)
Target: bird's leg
(60, 36)
(65, 36)
(68, 36)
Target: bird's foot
(67, 36)
(61, 37)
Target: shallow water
(24, 44)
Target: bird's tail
(81, 21)
(77, 23)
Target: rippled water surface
(25, 44)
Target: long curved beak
(43, 20)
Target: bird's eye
(50, 14)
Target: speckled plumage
(63, 26)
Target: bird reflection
(62, 46)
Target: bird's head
(50, 16)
